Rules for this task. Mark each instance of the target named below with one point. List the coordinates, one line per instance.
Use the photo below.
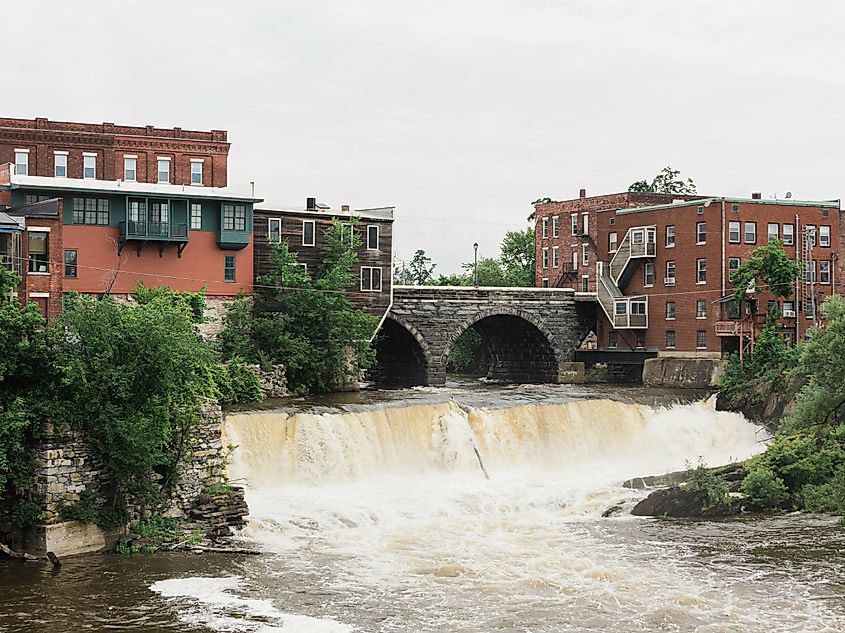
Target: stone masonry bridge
(532, 333)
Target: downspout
(798, 279)
(390, 305)
(724, 250)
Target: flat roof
(375, 213)
(833, 204)
(90, 185)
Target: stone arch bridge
(532, 333)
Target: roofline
(379, 213)
(707, 201)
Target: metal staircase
(640, 242)
(623, 312)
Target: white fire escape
(626, 312)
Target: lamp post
(475, 266)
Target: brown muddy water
(373, 515)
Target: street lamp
(475, 266)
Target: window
(621, 308)
(196, 216)
(89, 165)
(555, 253)
(196, 172)
(234, 219)
(700, 271)
(556, 226)
(91, 211)
(811, 233)
(640, 339)
(573, 223)
(585, 283)
(788, 234)
(700, 210)
(701, 309)
(733, 264)
(772, 232)
(585, 254)
(274, 230)
(585, 221)
(701, 339)
(22, 162)
(750, 232)
(648, 274)
(137, 211)
(735, 208)
(612, 242)
(370, 279)
(33, 199)
(60, 164)
(308, 231)
(701, 232)
(574, 260)
(810, 270)
(824, 271)
(670, 273)
(229, 268)
(670, 236)
(39, 251)
(372, 237)
(824, 235)
(788, 310)
(70, 264)
(545, 257)
(670, 339)
(612, 221)
(670, 310)
(163, 169)
(733, 232)
(613, 340)
(130, 168)
(545, 283)
(638, 307)
(545, 224)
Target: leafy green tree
(771, 265)
(517, 257)
(194, 302)
(667, 181)
(308, 324)
(420, 270)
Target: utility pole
(475, 265)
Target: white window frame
(824, 235)
(790, 233)
(545, 255)
(585, 254)
(735, 224)
(812, 233)
(159, 161)
(544, 223)
(612, 242)
(201, 163)
(670, 232)
(556, 226)
(701, 231)
(574, 260)
(700, 269)
(697, 339)
(368, 272)
(585, 283)
(313, 232)
(824, 263)
(738, 261)
(56, 156)
(191, 206)
(86, 157)
(648, 266)
(134, 159)
(674, 339)
(585, 221)
(278, 224)
(698, 313)
(613, 340)
(674, 271)
(370, 228)
(23, 153)
(674, 310)
(769, 233)
(573, 223)
(555, 256)
(234, 269)
(745, 228)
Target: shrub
(828, 496)
(763, 488)
(27, 512)
(87, 509)
(702, 478)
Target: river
(374, 514)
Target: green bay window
(93, 211)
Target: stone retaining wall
(691, 373)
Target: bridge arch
(522, 349)
(403, 358)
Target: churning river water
(378, 516)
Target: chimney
(344, 208)
(756, 195)
(311, 204)
(582, 193)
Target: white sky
(459, 112)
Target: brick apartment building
(303, 229)
(97, 207)
(658, 266)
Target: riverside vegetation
(131, 377)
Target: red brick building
(658, 266)
(100, 207)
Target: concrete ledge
(571, 373)
(68, 539)
(691, 373)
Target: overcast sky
(461, 112)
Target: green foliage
(469, 354)
(308, 324)
(86, 509)
(419, 270)
(771, 363)
(217, 489)
(667, 181)
(193, 303)
(131, 377)
(771, 265)
(764, 489)
(235, 382)
(517, 257)
(828, 496)
(157, 527)
(27, 512)
(702, 478)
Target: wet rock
(612, 511)
(656, 481)
(682, 503)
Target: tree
(420, 269)
(771, 265)
(307, 324)
(517, 257)
(667, 181)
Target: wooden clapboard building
(304, 228)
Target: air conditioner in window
(789, 314)
(669, 281)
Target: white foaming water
(387, 513)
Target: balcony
(141, 231)
(639, 242)
(229, 239)
(727, 328)
(623, 312)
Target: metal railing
(153, 230)
(629, 249)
